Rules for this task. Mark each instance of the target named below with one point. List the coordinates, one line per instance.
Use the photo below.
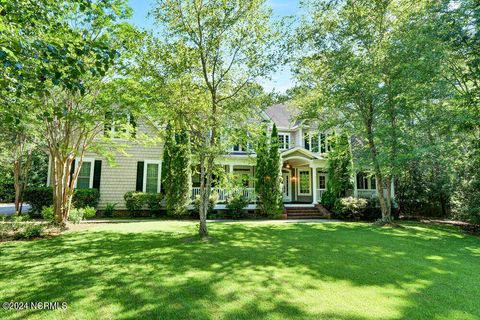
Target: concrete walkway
(9, 208)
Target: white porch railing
(368, 193)
(320, 193)
(248, 193)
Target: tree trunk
(63, 183)
(204, 198)
(386, 214)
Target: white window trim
(285, 134)
(92, 168)
(309, 182)
(145, 165)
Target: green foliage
(134, 201)
(328, 198)
(19, 228)
(85, 198)
(78, 214)
(29, 231)
(349, 208)
(109, 209)
(236, 203)
(137, 201)
(212, 201)
(177, 171)
(268, 174)
(339, 170)
(48, 214)
(38, 197)
(153, 200)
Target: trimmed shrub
(212, 201)
(83, 198)
(349, 208)
(153, 201)
(134, 201)
(38, 198)
(236, 204)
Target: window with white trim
(304, 184)
(151, 177)
(85, 176)
(311, 141)
(284, 141)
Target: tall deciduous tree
(222, 47)
(73, 121)
(361, 75)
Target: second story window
(284, 141)
(311, 141)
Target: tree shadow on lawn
(278, 271)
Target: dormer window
(284, 141)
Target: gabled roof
(299, 150)
(284, 116)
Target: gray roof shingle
(283, 115)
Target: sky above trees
(280, 81)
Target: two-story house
(304, 165)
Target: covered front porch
(304, 177)
(244, 174)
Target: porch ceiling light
(287, 166)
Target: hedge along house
(304, 151)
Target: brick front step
(317, 212)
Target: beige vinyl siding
(121, 178)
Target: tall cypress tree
(275, 172)
(268, 174)
(178, 174)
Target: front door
(287, 187)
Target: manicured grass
(250, 270)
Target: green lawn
(250, 270)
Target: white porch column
(230, 168)
(314, 184)
(355, 190)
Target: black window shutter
(97, 173)
(72, 172)
(140, 165)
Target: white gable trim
(301, 150)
